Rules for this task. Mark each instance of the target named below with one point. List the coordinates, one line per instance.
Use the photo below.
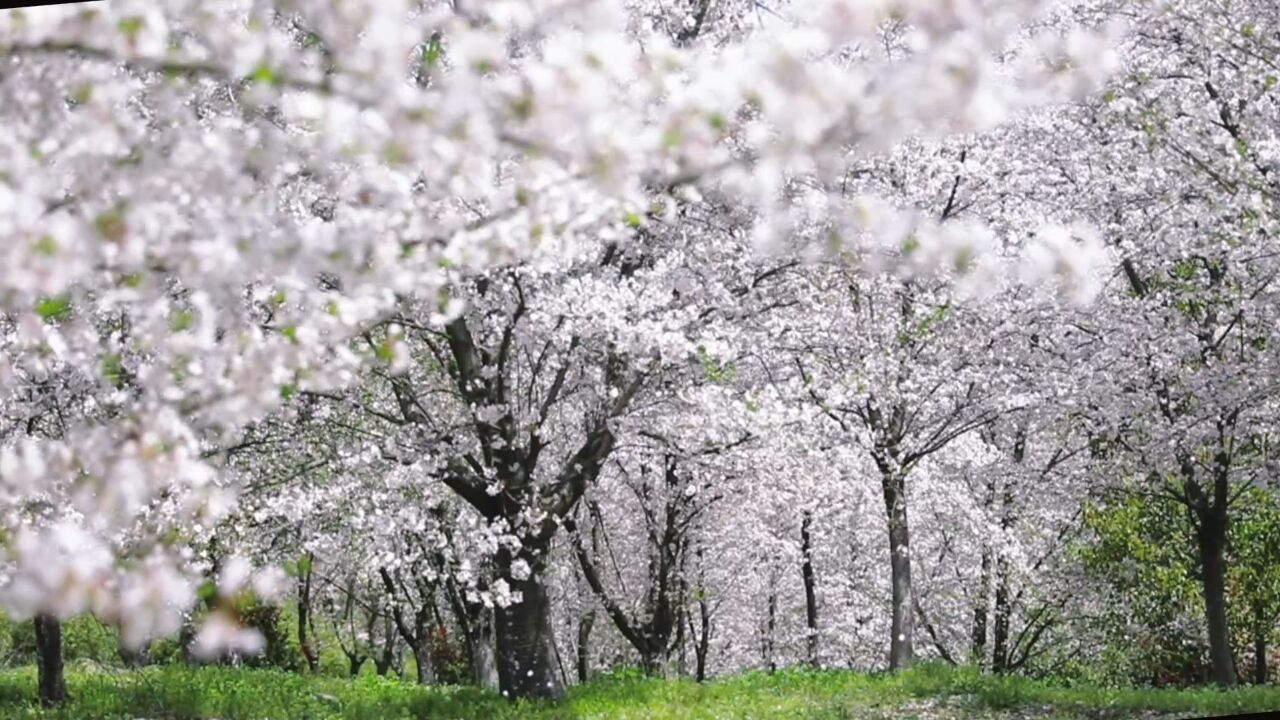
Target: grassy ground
(924, 693)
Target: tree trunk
(978, 648)
(584, 645)
(901, 648)
(810, 590)
(1211, 535)
(526, 667)
(704, 640)
(357, 662)
(1000, 650)
(421, 661)
(651, 661)
(978, 636)
(1260, 659)
(484, 665)
(770, 628)
(309, 652)
(386, 658)
(1000, 633)
(52, 683)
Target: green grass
(925, 693)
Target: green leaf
(264, 75)
(46, 246)
(56, 308)
(113, 370)
(181, 320)
(130, 27)
(384, 351)
(207, 591)
(431, 53)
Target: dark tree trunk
(386, 658)
(680, 647)
(770, 628)
(417, 636)
(1000, 633)
(978, 636)
(587, 622)
(52, 683)
(1211, 535)
(978, 649)
(305, 643)
(1260, 659)
(1261, 630)
(356, 662)
(902, 629)
(421, 662)
(584, 645)
(526, 666)
(1000, 650)
(703, 641)
(810, 590)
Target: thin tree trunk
(584, 645)
(978, 636)
(1000, 650)
(526, 666)
(588, 620)
(771, 625)
(309, 652)
(704, 640)
(1212, 540)
(1000, 633)
(902, 629)
(682, 644)
(810, 590)
(383, 662)
(1261, 629)
(1260, 659)
(50, 678)
(978, 648)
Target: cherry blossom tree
(213, 211)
